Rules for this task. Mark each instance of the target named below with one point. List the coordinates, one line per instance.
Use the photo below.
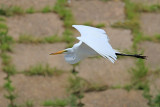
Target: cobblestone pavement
(117, 77)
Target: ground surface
(95, 11)
(123, 99)
(37, 4)
(150, 27)
(37, 25)
(39, 88)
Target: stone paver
(38, 25)
(120, 39)
(147, 2)
(115, 98)
(97, 11)
(152, 51)
(150, 23)
(103, 71)
(26, 55)
(36, 4)
(39, 88)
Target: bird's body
(93, 42)
(78, 52)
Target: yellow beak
(59, 52)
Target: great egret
(93, 42)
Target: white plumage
(93, 41)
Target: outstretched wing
(96, 39)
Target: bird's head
(65, 51)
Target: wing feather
(96, 39)
(88, 29)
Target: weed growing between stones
(29, 103)
(56, 103)
(155, 38)
(65, 14)
(105, 0)
(30, 10)
(76, 90)
(8, 68)
(47, 9)
(5, 59)
(139, 74)
(12, 10)
(100, 25)
(29, 39)
(156, 101)
(5, 40)
(149, 8)
(2, 19)
(43, 70)
(10, 89)
(67, 37)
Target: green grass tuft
(5, 42)
(29, 39)
(8, 11)
(8, 86)
(157, 36)
(5, 47)
(29, 103)
(156, 101)
(43, 70)
(80, 85)
(140, 71)
(64, 12)
(129, 24)
(96, 87)
(77, 84)
(3, 26)
(10, 92)
(139, 74)
(46, 9)
(10, 69)
(68, 36)
(30, 10)
(149, 8)
(16, 10)
(105, 0)
(100, 25)
(5, 59)
(53, 39)
(88, 23)
(56, 103)
(2, 19)
(154, 38)
(131, 10)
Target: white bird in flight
(93, 42)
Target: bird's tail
(134, 55)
